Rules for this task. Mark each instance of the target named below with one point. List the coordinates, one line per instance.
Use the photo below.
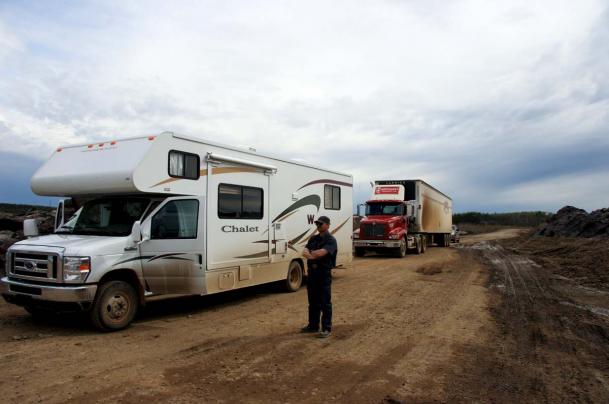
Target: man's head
(323, 224)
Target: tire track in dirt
(539, 349)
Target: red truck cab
(384, 228)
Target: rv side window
(183, 165)
(177, 219)
(331, 197)
(238, 202)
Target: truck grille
(371, 230)
(34, 266)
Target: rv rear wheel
(293, 281)
(423, 244)
(115, 306)
(360, 252)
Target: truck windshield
(392, 209)
(106, 217)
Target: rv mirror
(30, 228)
(59, 216)
(136, 232)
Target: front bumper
(376, 243)
(15, 291)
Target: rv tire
(423, 244)
(418, 247)
(115, 306)
(293, 281)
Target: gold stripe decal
(339, 227)
(215, 171)
(230, 170)
(326, 181)
(257, 255)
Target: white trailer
(170, 215)
(432, 213)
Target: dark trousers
(319, 290)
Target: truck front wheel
(403, 249)
(115, 306)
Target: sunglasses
(319, 224)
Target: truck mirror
(30, 228)
(136, 232)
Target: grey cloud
(361, 95)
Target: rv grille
(373, 230)
(34, 266)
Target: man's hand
(307, 254)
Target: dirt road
(395, 330)
(422, 328)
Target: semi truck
(403, 216)
(169, 215)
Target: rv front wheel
(293, 281)
(115, 306)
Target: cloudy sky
(503, 105)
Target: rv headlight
(356, 234)
(76, 269)
(394, 236)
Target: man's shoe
(324, 334)
(309, 330)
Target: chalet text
(239, 229)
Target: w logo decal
(310, 219)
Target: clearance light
(112, 143)
(90, 146)
(59, 149)
(151, 137)
(101, 145)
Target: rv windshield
(106, 217)
(391, 209)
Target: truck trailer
(169, 215)
(403, 216)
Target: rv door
(238, 216)
(172, 249)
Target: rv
(169, 215)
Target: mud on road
(424, 328)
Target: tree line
(524, 219)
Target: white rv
(170, 215)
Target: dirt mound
(430, 269)
(11, 224)
(582, 259)
(573, 222)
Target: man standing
(320, 253)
